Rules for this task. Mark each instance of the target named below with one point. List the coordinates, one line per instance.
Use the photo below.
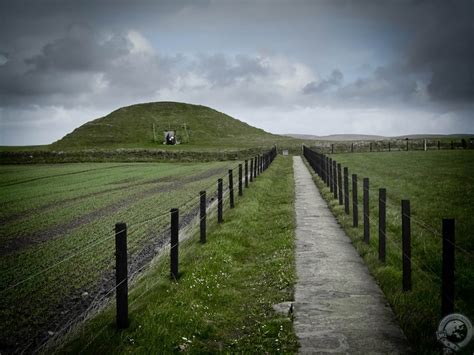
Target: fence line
(389, 145)
(321, 165)
(260, 164)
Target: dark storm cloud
(440, 42)
(67, 57)
(445, 47)
(334, 80)
(388, 84)
(436, 39)
(80, 50)
(66, 66)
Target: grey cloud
(80, 50)
(386, 84)
(72, 66)
(440, 37)
(446, 50)
(65, 66)
(222, 70)
(334, 80)
(3, 58)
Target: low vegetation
(439, 184)
(223, 300)
(136, 133)
(141, 126)
(56, 234)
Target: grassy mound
(142, 126)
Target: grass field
(142, 125)
(223, 300)
(439, 184)
(56, 234)
(135, 133)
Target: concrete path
(338, 306)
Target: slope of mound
(143, 126)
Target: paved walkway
(338, 306)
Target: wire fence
(329, 173)
(147, 237)
(393, 145)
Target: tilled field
(57, 236)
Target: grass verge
(223, 299)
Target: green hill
(142, 126)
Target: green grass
(223, 299)
(439, 184)
(126, 135)
(77, 205)
(135, 133)
(132, 127)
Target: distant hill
(142, 126)
(368, 137)
(337, 137)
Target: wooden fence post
(339, 183)
(240, 180)
(332, 148)
(231, 188)
(346, 190)
(323, 168)
(355, 202)
(121, 275)
(370, 146)
(382, 223)
(255, 167)
(331, 178)
(389, 147)
(219, 201)
(174, 244)
(246, 173)
(447, 290)
(328, 173)
(202, 216)
(366, 210)
(251, 170)
(406, 245)
(334, 177)
(352, 147)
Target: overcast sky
(314, 67)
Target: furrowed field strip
(73, 262)
(131, 194)
(64, 193)
(170, 198)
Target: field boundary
(333, 179)
(216, 203)
(392, 145)
(122, 155)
